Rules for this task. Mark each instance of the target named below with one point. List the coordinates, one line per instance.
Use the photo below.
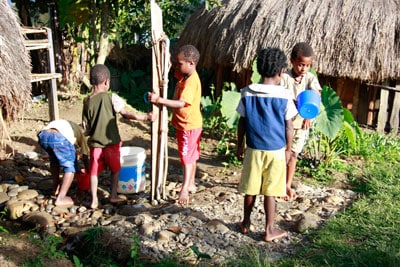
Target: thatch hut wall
(15, 68)
(356, 41)
(15, 85)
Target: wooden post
(159, 130)
(356, 100)
(371, 105)
(382, 115)
(394, 117)
(52, 96)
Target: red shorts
(102, 157)
(189, 145)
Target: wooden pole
(394, 116)
(382, 115)
(52, 96)
(160, 60)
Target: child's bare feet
(183, 197)
(244, 229)
(116, 200)
(64, 202)
(94, 204)
(274, 234)
(192, 189)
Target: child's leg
(93, 188)
(291, 168)
(270, 232)
(62, 198)
(249, 201)
(114, 186)
(55, 175)
(189, 171)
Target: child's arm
(289, 138)
(139, 117)
(240, 139)
(156, 99)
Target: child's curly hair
(301, 49)
(190, 53)
(270, 61)
(98, 74)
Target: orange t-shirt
(189, 91)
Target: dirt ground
(17, 245)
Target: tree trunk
(105, 20)
(92, 31)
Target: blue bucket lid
(308, 103)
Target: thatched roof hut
(15, 68)
(355, 40)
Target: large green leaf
(229, 102)
(348, 116)
(255, 76)
(330, 119)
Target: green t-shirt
(100, 119)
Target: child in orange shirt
(186, 115)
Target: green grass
(368, 232)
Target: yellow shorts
(264, 172)
(300, 137)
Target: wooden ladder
(45, 43)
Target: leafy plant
(330, 119)
(199, 254)
(49, 249)
(135, 249)
(134, 86)
(3, 215)
(322, 144)
(221, 118)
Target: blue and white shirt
(265, 109)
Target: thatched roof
(350, 38)
(15, 68)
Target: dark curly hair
(98, 74)
(301, 49)
(190, 53)
(270, 61)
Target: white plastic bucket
(132, 177)
(308, 103)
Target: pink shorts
(189, 145)
(102, 157)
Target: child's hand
(288, 155)
(151, 116)
(239, 153)
(153, 98)
(306, 124)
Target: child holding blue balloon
(297, 80)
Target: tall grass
(367, 233)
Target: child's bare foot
(192, 189)
(183, 197)
(244, 229)
(116, 200)
(274, 234)
(64, 202)
(95, 204)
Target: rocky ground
(165, 229)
